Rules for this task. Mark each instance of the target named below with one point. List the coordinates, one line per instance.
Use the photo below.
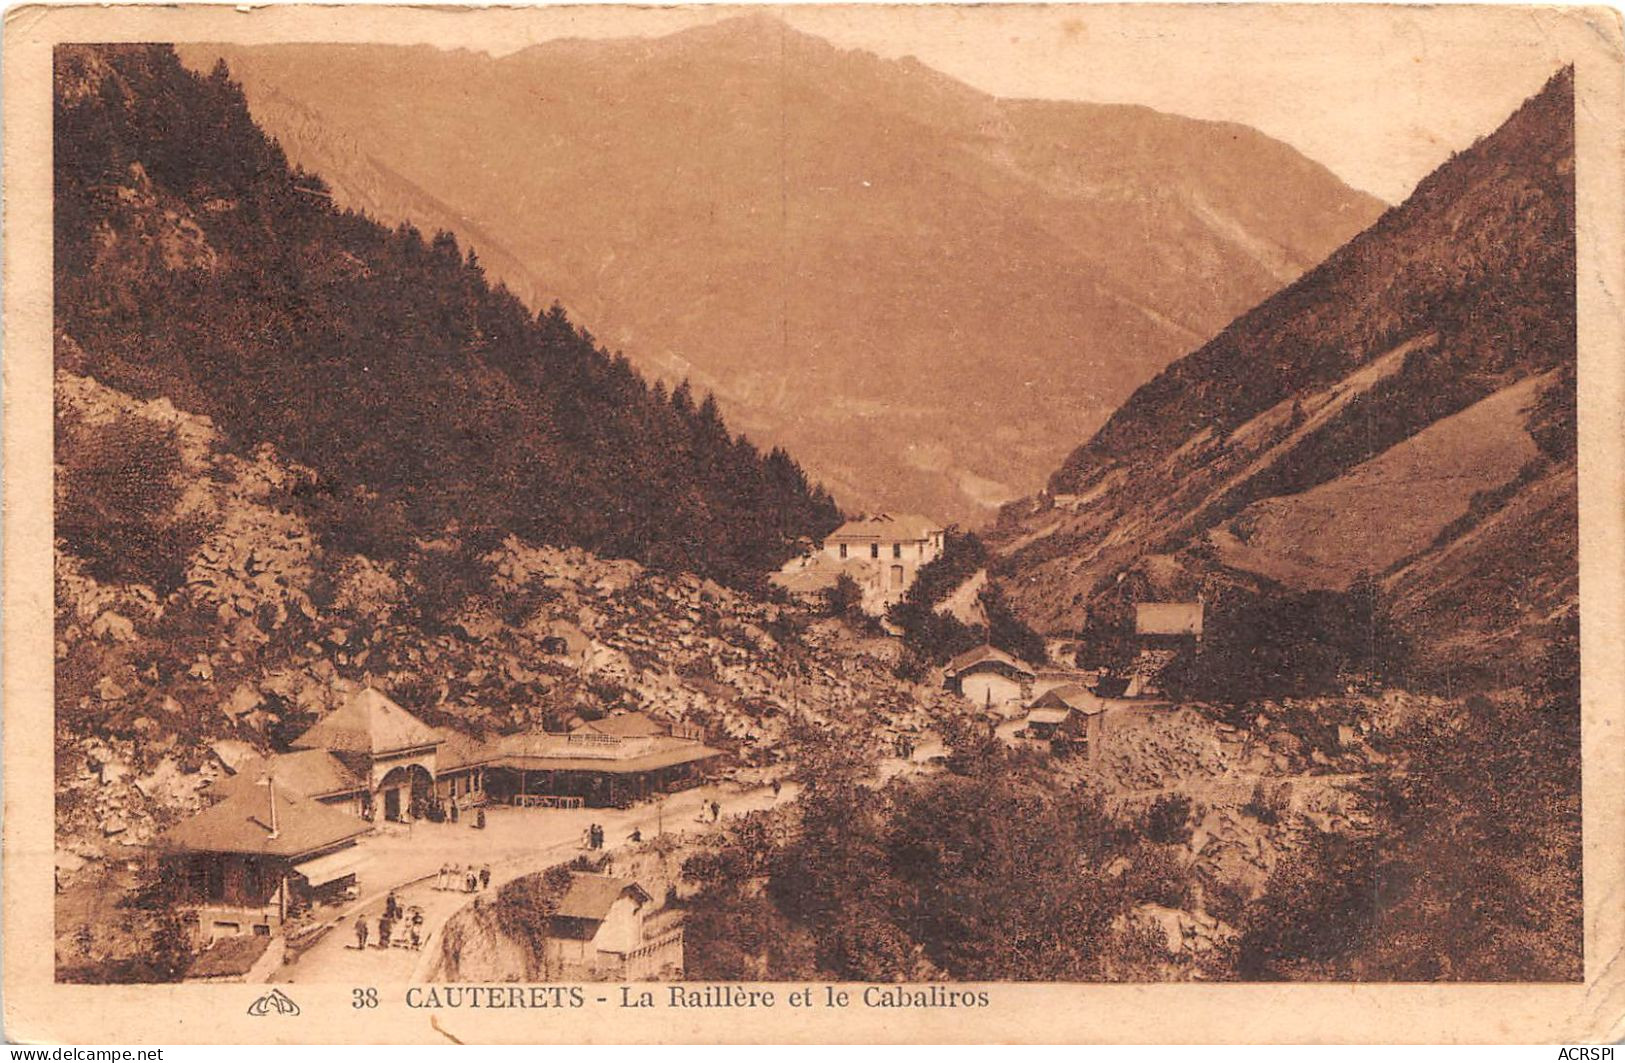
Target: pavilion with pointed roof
(389, 749)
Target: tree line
(193, 262)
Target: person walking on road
(361, 932)
(716, 811)
(485, 876)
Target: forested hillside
(193, 264)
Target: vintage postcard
(813, 523)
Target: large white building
(882, 552)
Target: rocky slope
(1406, 411)
(924, 291)
(272, 626)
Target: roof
(626, 725)
(241, 824)
(368, 723)
(229, 957)
(665, 753)
(1168, 618)
(321, 870)
(1070, 697)
(304, 772)
(985, 655)
(884, 527)
(459, 750)
(1049, 715)
(592, 896)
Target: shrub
(1167, 822)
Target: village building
(373, 757)
(882, 553)
(246, 864)
(607, 929)
(989, 677)
(1071, 713)
(602, 763)
(1047, 679)
(1168, 624)
(389, 749)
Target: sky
(1379, 94)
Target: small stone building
(989, 677)
(602, 931)
(1072, 714)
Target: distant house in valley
(989, 677)
(1168, 623)
(389, 749)
(883, 553)
(604, 930)
(909, 539)
(245, 864)
(1069, 712)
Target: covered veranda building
(593, 768)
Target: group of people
(593, 836)
(408, 920)
(463, 879)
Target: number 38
(364, 998)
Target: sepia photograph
(645, 502)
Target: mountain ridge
(1387, 417)
(918, 288)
